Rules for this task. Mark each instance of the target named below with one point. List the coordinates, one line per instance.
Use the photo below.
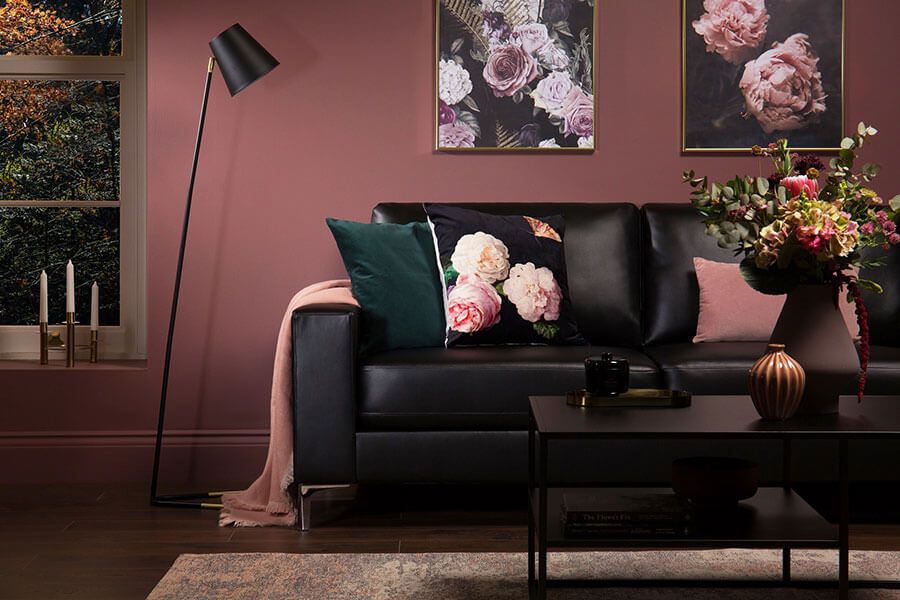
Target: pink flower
(534, 292)
(867, 228)
(578, 112)
(533, 37)
(472, 305)
(509, 69)
(894, 239)
(551, 92)
(783, 87)
(801, 183)
(881, 217)
(889, 228)
(457, 135)
(733, 28)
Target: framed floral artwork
(514, 75)
(755, 71)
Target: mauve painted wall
(344, 123)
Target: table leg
(786, 477)
(542, 522)
(844, 524)
(531, 531)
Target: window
(72, 167)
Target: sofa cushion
(715, 368)
(393, 271)
(602, 246)
(884, 309)
(721, 367)
(732, 311)
(505, 277)
(475, 388)
(673, 235)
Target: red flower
(862, 318)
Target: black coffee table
(779, 517)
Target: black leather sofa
(438, 415)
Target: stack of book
(624, 513)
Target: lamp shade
(241, 58)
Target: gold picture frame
(685, 149)
(437, 148)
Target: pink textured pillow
(732, 311)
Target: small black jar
(606, 375)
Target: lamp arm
(184, 233)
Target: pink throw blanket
(267, 501)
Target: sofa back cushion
(673, 234)
(884, 309)
(602, 245)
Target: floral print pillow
(505, 278)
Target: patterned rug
(497, 576)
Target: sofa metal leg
(305, 510)
(304, 499)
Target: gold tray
(633, 398)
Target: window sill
(60, 365)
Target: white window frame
(128, 340)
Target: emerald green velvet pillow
(393, 273)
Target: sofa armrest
(324, 384)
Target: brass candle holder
(45, 341)
(70, 339)
(94, 345)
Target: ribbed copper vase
(777, 382)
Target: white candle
(70, 288)
(42, 315)
(95, 307)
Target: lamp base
(188, 500)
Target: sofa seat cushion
(717, 368)
(721, 368)
(474, 389)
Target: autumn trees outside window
(72, 98)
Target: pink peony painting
(515, 75)
(759, 70)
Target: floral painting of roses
(759, 70)
(515, 75)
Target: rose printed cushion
(505, 278)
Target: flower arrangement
(792, 230)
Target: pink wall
(344, 123)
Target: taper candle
(42, 313)
(70, 287)
(95, 307)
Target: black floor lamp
(242, 61)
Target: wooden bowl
(712, 481)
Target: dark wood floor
(104, 541)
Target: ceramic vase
(813, 330)
(776, 384)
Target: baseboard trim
(133, 438)
(206, 455)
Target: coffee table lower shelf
(774, 518)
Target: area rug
(498, 576)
